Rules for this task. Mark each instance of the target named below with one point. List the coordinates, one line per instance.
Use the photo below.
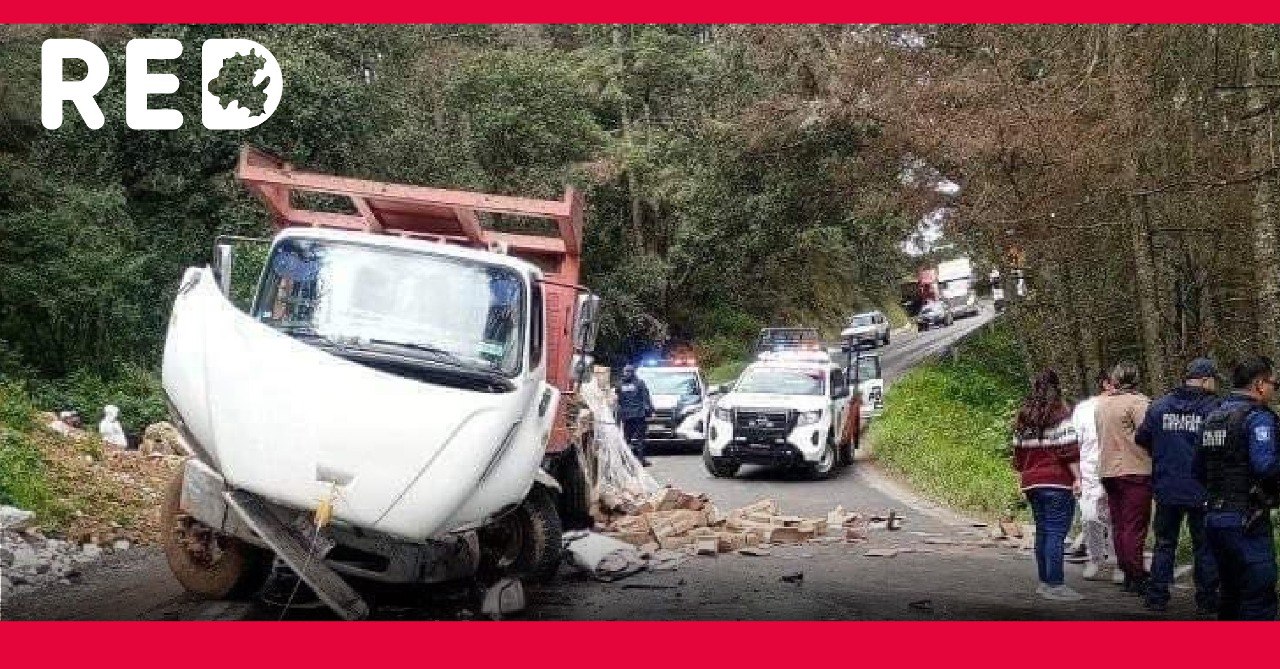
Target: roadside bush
(946, 426)
(135, 390)
(22, 469)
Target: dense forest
(736, 176)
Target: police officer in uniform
(634, 409)
(1171, 431)
(1237, 463)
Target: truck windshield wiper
(309, 333)
(426, 348)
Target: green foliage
(22, 473)
(946, 425)
(16, 410)
(22, 470)
(136, 391)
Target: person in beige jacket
(1125, 470)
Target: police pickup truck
(679, 398)
(791, 408)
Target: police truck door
(870, 384)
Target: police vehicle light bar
(801, 356)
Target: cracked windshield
(354, 295)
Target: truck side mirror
(223, 260)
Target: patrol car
(679, 397)
(790, 408)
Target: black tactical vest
(1224, 449)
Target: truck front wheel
(526, 542)
(206, 562)
(826, 464)
(721, 468)
(575, 500)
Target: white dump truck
(394, 406)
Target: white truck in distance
(955, 287)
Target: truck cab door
(870, 384)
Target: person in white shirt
(1094, 517)
(110, 428)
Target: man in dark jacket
(1238, 464)
(1171, 431)
(634, 409)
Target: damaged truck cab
(395, 405)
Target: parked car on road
(679, 400)
(934, 313)
(794, 409)
(871, 327)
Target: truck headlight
(809, 417)
(689, 408)
(724, 414)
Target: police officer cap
(1202, 368)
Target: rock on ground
(13, 519)
(31, 560)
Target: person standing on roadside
(1046, 455)
(1125, 469)
(1095, 519)
(634, 408)
(1171, 431)
(1238, 464)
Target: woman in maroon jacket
(1046, 454)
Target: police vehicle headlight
(724, 414)
(809, 417)
(690, 408)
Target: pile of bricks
(674, 520)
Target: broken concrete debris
(675, 520)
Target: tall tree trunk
(624, 112)
(1148, 310)
(1261, 158)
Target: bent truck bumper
(802, 445)
(359, 553)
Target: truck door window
(535, 326)
(837, 380)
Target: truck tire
(826, 464)
(721, 468)
(886, 338)
(205, 562)
(541, 536)
(574, 501)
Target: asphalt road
(942, 570)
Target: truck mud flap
(293, 549)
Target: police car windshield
(358, 295)
(669, 382)
(782, 381)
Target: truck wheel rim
(509, 542)
(828, 458)
(201, 544)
